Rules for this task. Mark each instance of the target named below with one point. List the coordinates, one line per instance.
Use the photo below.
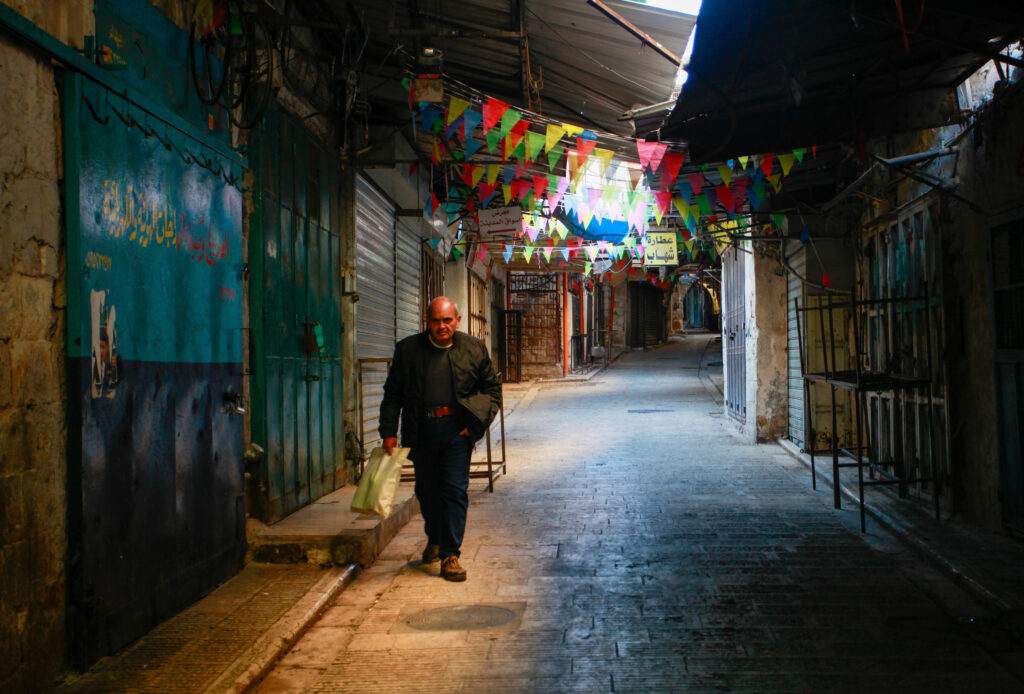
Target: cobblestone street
(638, 545)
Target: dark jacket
(477, 388)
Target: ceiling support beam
(644, 37)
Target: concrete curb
(904, 533)
(259, 659)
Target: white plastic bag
(379, 483)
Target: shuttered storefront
(797, 417)
(388, 266)
(408, 262)
(734, 331)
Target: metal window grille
(431, 280)
(478, 306)
(536, 296)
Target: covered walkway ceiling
(770, 76)
(585, 68)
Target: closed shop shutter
(797, 431)
(408, 262)
(375, 312)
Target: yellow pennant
(604, 156)
(571, 130)
(554, 134)
(492, 173)
(478, 172)
(455, 108)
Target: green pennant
(520, 152)
(493, 139)
(704, 205)
(534, 144)
(509, 120)
(799, 154)
(554, 154)
(778, 218)
(456, 253)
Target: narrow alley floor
(638, 545)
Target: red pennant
(825, 281)
(725, 197)
(540, 184)
(493, 111)
(664, 199)
(696, 181)
(670, 165)
(584, 147)
(413, 167)
(766, 163)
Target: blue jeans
(441, 459)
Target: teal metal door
(295, 303)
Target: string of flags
(576, 197)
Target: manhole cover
(460, 618)
(646, 411)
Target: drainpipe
(566, 323)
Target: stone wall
(33, 389)
(771, 345)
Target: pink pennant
(556, 197)
(651, 154)
(696, 181)
(481, 254)
(594, 196)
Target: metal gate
(375, 312)
(734, 330)
(155, 497)
(511, 364)
(295, 304)
(794, 376)
(407, 279)
(536, 296)
(1008, 296)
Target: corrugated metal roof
(792, 73)
(590, 69)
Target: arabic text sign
(500, 220)
(660, 248)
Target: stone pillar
(350, 364)
(33, 381)
(768, 339)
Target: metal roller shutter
(407, 261)
(375, 312)
(797, 431)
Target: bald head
(443, 320)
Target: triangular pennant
(743, 162)
(507, 253)
(725, 197)
(506, 190)
(546, 250)
(776, 182)
(591, 252)
(509, 120)
(455, 108)
(478, 173)
(682, 207)
(492, 173)
(481, 254)
(671, 163)
(456, 252)
(470, 119)
(657, 155)
(540, 185)
(572, 130)
(766, 163)
(805, 235)
(527, 253)
(493, 138)
(429, 117)
(472, 147)
(604, 158)
(778, 218)
(534, 144)
(664, 199)
(786, 161)
(825, 281)
(726, 173)
(799, 154)
(515, 135)
(583, 149)
(493, 111)
(554, 134)
(696, 181)
(554, 154)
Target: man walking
(443, 384)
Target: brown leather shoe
(430, 553)
(451, 570)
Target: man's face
(442, 323)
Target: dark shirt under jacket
(437, 377)
(475, 386)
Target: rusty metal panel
(155, 493)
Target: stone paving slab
(654, 550)
(223, 642)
